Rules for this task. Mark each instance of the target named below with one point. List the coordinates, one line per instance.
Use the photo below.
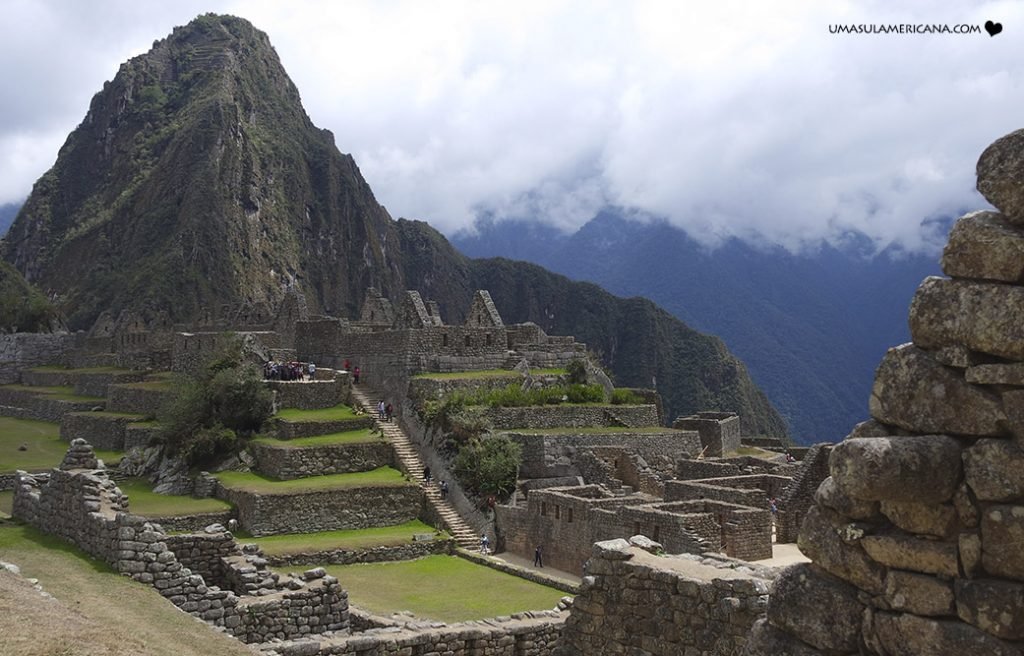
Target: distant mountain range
(811, 328)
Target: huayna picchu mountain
(196, 180)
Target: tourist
(347, 366)
(380, 410)
(426, 474)
(355, 376)
(789, 457)
(388, 412)
(312, 370)
(774, 505)
(485, 544)
(444, 489)
(538, 557)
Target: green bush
(489, 467)
(626, 397)
(577, 371)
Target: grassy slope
(257, 483)
(323, 414)
(445, 588)
(351, 539)
(44, 449)
(97, 612)
(347, 437)
(143, 501)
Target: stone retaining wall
(203, 553)
(696, 469)
(324, 510)
(312, 394)
(103, 430)
(290, 430)
(19, 351)
(287, 463)
(546, 456)
(570, 415)
(7, 482)
(195, 522)
(799, 495)
(634, 603)
(535, 575)
(138, 400)
(141, 435)
(408, 551)
(80, 504)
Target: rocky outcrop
(916, 536)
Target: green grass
(6, 501)
(323, 414)
(347, 437)
(292, 543)
(487, 373)
(161, 385)
(253, 482)
(45, 448)
(445, 588)
(142, 500)
(59, 392)
(84, 370)
(119, 415)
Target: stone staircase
(410, 462)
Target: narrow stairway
(411, 464)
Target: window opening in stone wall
(543, 508)
(488, 339)
(444, 339)
(636, 528)
(570, 516)
(467, 340)
(558, 511)
(657, 531)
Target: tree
(489, 466)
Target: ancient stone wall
(203, 553)
(138, 398)
(27, 404)
(547, 456)
(569, 415)
(290, 430)
(916, 536)
(103, 430)
(719, 431)
(311, 395)
(80, 504)
(378, 554)
(633, 602)
(696, 469)
(20, 351)
(287, 463)
(324, 510)
(798, 498)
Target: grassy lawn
(59, 392)
(6, 501)
(323, 414)
(161, 385)
(445, 588)
(253, 482)
(44, 449)
(85, 370)
(347, 437)
(143, 501)
(97, 612)
(487, 373)
(754, 451)
(292, 543)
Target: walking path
(410, 462)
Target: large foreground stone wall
(916, 537)
(632, 602)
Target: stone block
(767, 640)
(909, 635)
(994, 470)
(984, 245)
(830, 496)
(919, 594)
(994, 606)
(969, 549)
(1002, 541)
(1000, 174)
(923, 469)
(913, 391)
(820, 541)
(996, 374)
(922, 518)
(983, 317)
(798, 596)
(902, 551)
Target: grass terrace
(487, 373)
(58, 392)
(97, 612)
(84, 370)
(293, 543)
(6, 503)
(159, 384)
(444, 588)
(44, 448)
(347, 437)
(142, 500)
(252, 482)
(322, 414)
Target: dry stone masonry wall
(916, 538)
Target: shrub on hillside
(626, 397)
(489, 467)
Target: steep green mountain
(196, 179)
(23, 308)
(7, 213)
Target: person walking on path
(355, 376)
(388, 412)
(538, 557)
(485, 544)
(380, 410)
(444, 489)
(426, 474)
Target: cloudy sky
(728, 118)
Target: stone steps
(410, 462)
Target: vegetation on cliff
(23, 308)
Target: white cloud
(730, 118)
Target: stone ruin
(917, 537)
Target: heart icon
(993, 28)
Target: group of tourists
(347, 366)
(288, 370)
(384, 412)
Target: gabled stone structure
(483, 314)
(916, 537)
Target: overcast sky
(729, 118)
